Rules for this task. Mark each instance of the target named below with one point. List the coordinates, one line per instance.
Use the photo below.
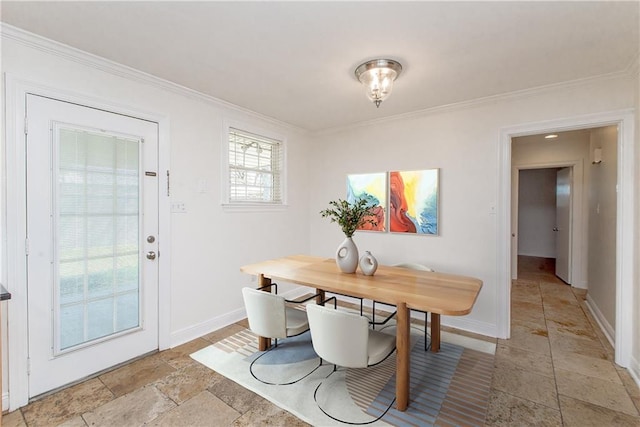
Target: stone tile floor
(557, 369)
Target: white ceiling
(294, 61)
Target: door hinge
(26, 125)
(28, 366)
(168, 184)
(26, 246)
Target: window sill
(253, 207)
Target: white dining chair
(270, 316)
(345, 339)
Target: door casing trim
(577, 257)
(625, 251)
(14, 221)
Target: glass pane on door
(97, 222)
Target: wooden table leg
(435, 332)
(403, 348)
(320, 297)
(264, 343)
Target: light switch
(178, 207)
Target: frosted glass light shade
(377, 76)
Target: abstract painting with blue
(413, 201)
(371, 187)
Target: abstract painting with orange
(372, 187)
(413, 201)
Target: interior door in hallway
(563, 224)
(92, 229)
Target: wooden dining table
(437, 293)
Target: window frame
(251, 205)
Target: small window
(255, 169)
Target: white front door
(563, 224)
(92, 239)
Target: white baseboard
(462, 323)
(5, 401)
(196, 331)
(607, 329)
(581, 285)
(634, 370)
(470, 325)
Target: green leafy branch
(350, 216)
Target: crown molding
(93, 61)
(518, 94)
(90, 60)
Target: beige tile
(520, 305)
(178, 357)
(507, 410)
(576, 413)
(552, 282)
(571, 328)
(528, 338)
(526, 294)
(74, 422)
(630, 385)
(66, 404)
(533, 362)
(13, 419)
(580, 294)
(539, 325)
(523, 284)
(187, 382)
(586, 365)
(202, 410)
(132, 409)
(558, 302)
(518, 382)
(527, 311)
(266, 413)
(573, 314)
(234, 395)
(136, 374)
(568, 343)
(596, 391)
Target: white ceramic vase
(347, 256)
(368, 264)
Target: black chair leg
(425, 330)
(373, 316)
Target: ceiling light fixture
(551, 136)
(377, 76)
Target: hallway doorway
(544, 222)
(587, 187)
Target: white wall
(537, 212)
(571, 149)
(602, 226)
(635, 346)
(208, 244)
(463, 142)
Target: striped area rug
(448, 388)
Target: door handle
(151, 255)
(555, 228)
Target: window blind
(255, 168)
